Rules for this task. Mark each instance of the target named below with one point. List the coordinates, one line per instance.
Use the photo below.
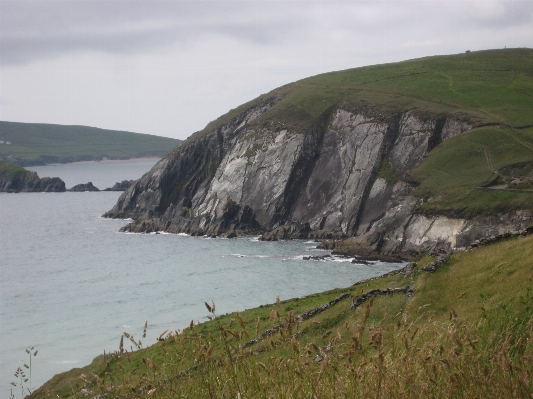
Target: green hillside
(38, 144)
(8, 169)
(483, 87)
(464, 332)
(452, 174)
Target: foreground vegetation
(39, 144)
(464, 331)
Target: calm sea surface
(71, 284)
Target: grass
(465, 332)
(37, 144)
(8, 169)
(451, 174)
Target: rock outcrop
(79, 188)
(322, 182)
(14, 179)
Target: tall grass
(465, 332)
(438, 360)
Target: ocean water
(71, 283)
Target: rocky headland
(344, 176)
(14, 179)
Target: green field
(38, 144)
(465, 332)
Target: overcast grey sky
(170, 67)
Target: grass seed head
(241, 321)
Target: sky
(170, 67)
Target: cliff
(317, 160)
(14, 178)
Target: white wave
(340, 260)
(184, 234)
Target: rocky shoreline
(232, 182)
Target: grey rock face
(320, 183)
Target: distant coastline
(39, 144)
(105, 160)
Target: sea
(71, 283)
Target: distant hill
(29, 144)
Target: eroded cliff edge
(328, 181)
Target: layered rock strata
(324, 182)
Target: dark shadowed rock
(83, 187)
(14, 179)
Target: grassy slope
(484, 86)
(464, 326)
(8, 169)
(452, 172)
(34, 143)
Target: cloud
(169, 67)
(32, 30)
(415, 43)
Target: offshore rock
(83, 187)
